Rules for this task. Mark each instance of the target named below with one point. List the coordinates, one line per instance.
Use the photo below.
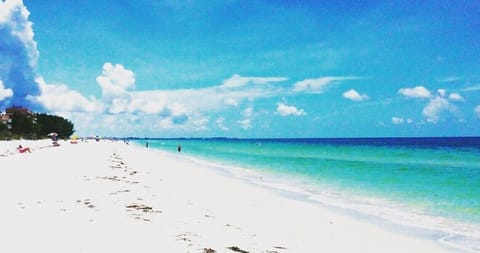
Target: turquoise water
(431, 183)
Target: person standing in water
(179, 148)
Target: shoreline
(106, 196)
(449, 233)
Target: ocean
(426, 186)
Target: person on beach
(179, 148)
(23, 149)
(146, 144)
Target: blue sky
(246, 68)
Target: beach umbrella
(53, 136)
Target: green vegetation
(4, 133)
(36, 126)
(24, 126)
(51, 123)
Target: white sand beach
(113, 197)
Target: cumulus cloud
(319, 85)
(354, 95)
(200, 124)
(18, 54)
(442, 92)
(248, 112)
(246, 122)
(441, 104)
(4, 92)
(456, 97)
(182, 108)
(416, 92)
(186, 101)
(115, 80)
(221, 124)
(289, 110)
(59, 98)
(436, 107)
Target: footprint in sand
(21, 205)
(138, 210)
(186, 237)
(237, 249)
(121, 191)
(87, 203)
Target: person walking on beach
(146, 144)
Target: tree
(3, 127)
(23, 125)
(4, 133)
(52, 123)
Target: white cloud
(18, 53)
(200, 124)
(456, 97)
(248, 112)
(5, 92)
(188, 101)
(245, 124)
(319, 85)
(237, 88)
(442, 92)
(173, 110)
(59, 98)
(449, 79)
(186, 123)
(472, 88)
(435, 108)
(183, 108)
(400, 120)
(239, 81)
(397, 120)
(231, 101)
(354, 95)
(289, 110)
(115, 80)
(221, 124)
(416, 92)
(477, 111)
(14, 14)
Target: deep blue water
(432, 183)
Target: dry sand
(114, 197)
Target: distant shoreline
(471, 141)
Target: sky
(237, 68)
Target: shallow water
(428, 183)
